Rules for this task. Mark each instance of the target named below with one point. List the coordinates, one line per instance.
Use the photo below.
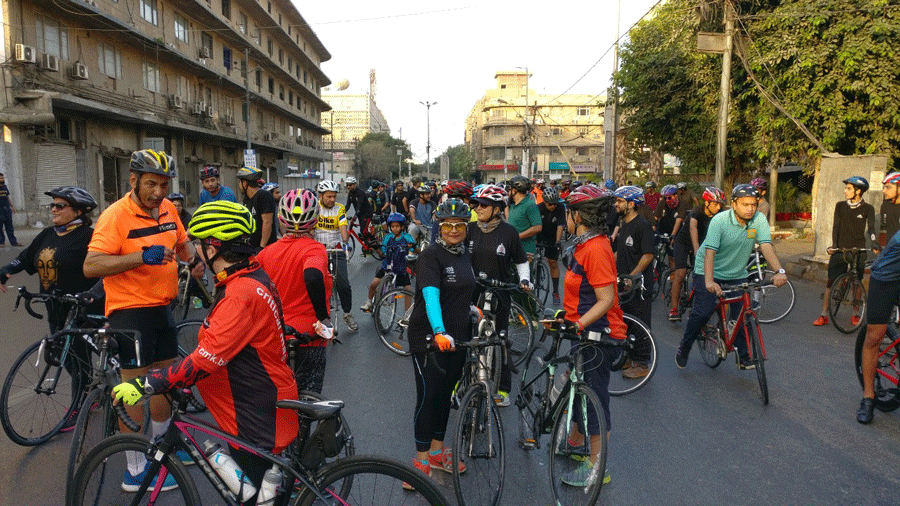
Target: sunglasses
(482, 204)
(456, 227)
(59, 207)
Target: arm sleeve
(432, 296)
(21, 263)
(181, 374)
(523, 271)
(835, 227)
(315, 287)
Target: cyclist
(239, 364)
(359, 201)
(851, 219)
(537, 193)
(523, 213)
(422, 212)
(399, 203)
(686, 196)
(261, 204)
(331, 230)
(177, 200)
(396, 246)
(298, 266)
(688, 241)
(884, 292)
(564, 188)
(445, 283)
(553, 220)
(133, 248)
(213, 190)
(592, 302)
(651, 196)
(6, 218)
(459, 189)
(495, 248)
(666, 216)
(890, 206)
(274, 189)
(722, 258)
(763, 187)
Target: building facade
(557, 135)
(90, 81)
(351, 117)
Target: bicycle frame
(730, 335)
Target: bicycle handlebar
(44, 297)
(745, 286)
(123, 415)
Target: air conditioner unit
(588, 158)
(25, 54)
(49, 63)
(197, 110)
(79, 71)
(210, 111)
(205, 52)
(177, 102)
(202, 106)
(229, 119)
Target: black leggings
(433, 390)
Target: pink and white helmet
(298, 210)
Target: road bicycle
(771, 303)
(540, 276)
(686, 295)
(305, 479)
(641, 352)
(718, 337)
(887, 371)
(847, 304)
(188, 289)
(661, 268)
(334, 303)
(392, 308)
(369, 239)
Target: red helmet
(893, 178)
(491, 194)
(586, 193)
(458, 187)
(713, 194)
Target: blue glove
(153, 255)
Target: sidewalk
(796, 253)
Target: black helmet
(176, 196)
(453, 208)
(520, 183)
(76, 197)
(744, 190)
(153, 162)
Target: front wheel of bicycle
(376, 481)
(351, 247)
(773, 302)
(542, 281)
(758, 356)
(520, 333)
(847, 304)
(392, 320)
(96, 422)
(710, 343)
(99, 479)
(641, 357)
(887, 369)
(479, 447)
(578, 447)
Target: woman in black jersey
(445, 283)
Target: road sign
(250, 158)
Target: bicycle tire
(644, 352)
(848, 297)
(385, 284)
(389, 310)
(181, 304)
(103, 467)
(567, 457)
(542, 285)
(710, 343)
(887, 372)
(28, 425)
(372, 475)
(96, 422)
(774, 302)
(351, 247)
(666, 290)
(479, 441)
(530, 399)
(758, 356)
(520, 333)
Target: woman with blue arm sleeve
(445, 283)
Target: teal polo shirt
(523, 216)
(733, 244)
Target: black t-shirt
(453, 277)
(397, 201)
(890, 218)
(360, 202)
(550, 220)
(4, 196)
(262, 203)
(496, 253)
(665, 217)
(850, 224)
(635, 239)
(684, 235)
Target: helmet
(327, 186)
(892, 178)
(350, 180)
(153, 162)
(445, 182)
(610, 185)
(222, 220)
(540, 181)
(477, 189)
(857, 181)
(453, 208)
(551, 196)
(520, 183)
(75, 196)
(425, 188)
(396, 218)
(249, 173)
(299, 210)
(744, 190)
(668, 190)
(176, 196)
(760, 183)
(681, 186)
(650, 184)
(459, 188)
(398, 183)
(584, 194)
(630, 194)
(491, 194)
(576, 184)
(209, 171)
(713, 194)
(269, 186)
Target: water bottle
(229, 471)
(268, 491)
(559, 382)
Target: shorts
(882, 298)
(157, 342)
(402, 278)
(682, 256)
(551, 252)
(837, 265)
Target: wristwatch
(780, 271)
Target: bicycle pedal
(528, 444)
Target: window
(151, 77)
(270, 46)
(271, 85)
(281, 92)
(181, 87)
(242, 23)
(108, 60)
(304, 76)
(226, 9)
(498, 153)
(259, 120)
(584, 111)
(498, 113)
(269, 8)
(148, 11)
(581, 151)
(290, 65)
(291, 98)
(583, 130)
(258, 80)
(499, 130)
(280, 56)
(291, 130)
(181, 28)
(226, 58)
(52, 37)
(554, 150)
(206, 42)
(556, 131)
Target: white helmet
(327, 186)
(350, 180)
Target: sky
(448, 52)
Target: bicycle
(641, 349)
(686, 295)
(540, 276)
(717, 339)
(370, 239)
(188, 288)
(887, 371)
(847, 304)
(334, 303)
(772, 302)
(304, 479)
(661, 268)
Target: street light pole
(526, 159)
(428, 105)
(331, 127)
(247, 89)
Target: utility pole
(615, 130)
(526, 159)
(428, 143)
(725, 96)
(247, 89)
(400, 157)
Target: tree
(461, 162)
(376, 156)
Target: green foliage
(461, 162)
(786, 198)
(376, 156)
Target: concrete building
(559, 134)
(87, 82)
(352, 116)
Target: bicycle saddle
(318, 410)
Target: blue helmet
(668, 190)
(610, 185)
(859, 182)
(630, 194)
(396, 218)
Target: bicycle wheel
(520, 333)
(847, 301)
(479, 445)
(38, 397)
(187, 334)
(530, 398)
(181, 304)
(376, 481)
(642, 357)
(578, 447)
(887, 371)
(666, 290)
(710, 343)
(662, 275)
(758, 356)
(542, 286)
(96, 422)
(99, 478)
(773, 303)
(351, 247)
(389, 311)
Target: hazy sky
(448, 51)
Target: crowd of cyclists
(269, 259)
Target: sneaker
(674, 316)
(854, 321)
(421, 465)
(184, 457)
(367, 307)
(556, 300)
(70, 422)
(821, 320)
(133, 483)
(576, 452)
(501, 399)
(746, 364)
(584, 476)
(443, 460)
(636, 371)
(866, 411)
(681, 359)
(350, 322)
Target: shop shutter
(55, 168)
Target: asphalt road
(694, 436)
